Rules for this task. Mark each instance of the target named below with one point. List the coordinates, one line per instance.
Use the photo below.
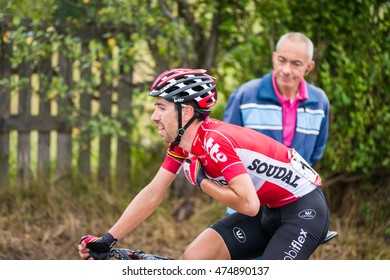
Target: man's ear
(310, 67)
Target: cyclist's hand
(97, 248)
(193, 171)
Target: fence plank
(5, 72)
(84, 159)
(25, 124)
(45, 75)
(25, 93)
(105, 141)
(123, 162)
(4, 159)
(64, 137)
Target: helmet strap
(181, 130)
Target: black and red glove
(193, 171)
(99, 246)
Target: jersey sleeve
(233, 167)
(174, 159)
(234, 170)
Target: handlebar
(128, 254)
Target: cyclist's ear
(188, 112)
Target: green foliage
(352, 67)
(353, 71)
(232, 39)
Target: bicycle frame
(128, 254)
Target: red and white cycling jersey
(279, 174)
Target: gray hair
(298, 37)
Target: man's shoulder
(316, 92)
(251, 84)
(263, 83)
(254, 82)
(314, 88)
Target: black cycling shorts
(290, 232)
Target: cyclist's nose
(154, 116)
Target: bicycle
(129, 254)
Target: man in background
(281, 104)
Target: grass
(46, 222)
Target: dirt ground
(36, 229)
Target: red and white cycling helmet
(180, 85)
(183, 85)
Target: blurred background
(77, 143)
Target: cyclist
(281, 210)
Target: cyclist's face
(165, 117)
(291, 63)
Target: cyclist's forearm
(143, 205)
(136, 212)
(240, 194)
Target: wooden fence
(24, 121)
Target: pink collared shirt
(290, 107)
